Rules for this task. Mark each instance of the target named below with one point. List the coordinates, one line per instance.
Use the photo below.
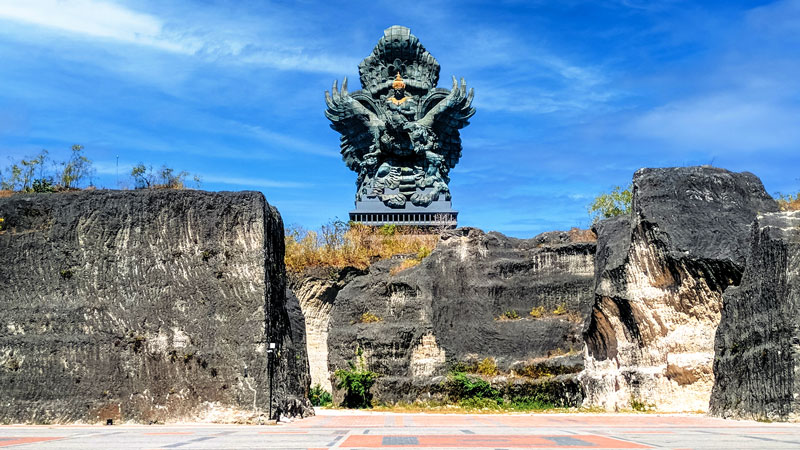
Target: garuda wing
(446, 113)
(356, 119)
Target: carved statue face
(399, 93)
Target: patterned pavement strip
(9, 440)
(348, 429)
(487, 440)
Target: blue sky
(572, 97)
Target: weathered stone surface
(316, 291)
(659, 281)
(445, 311)
(757, 347)
(145, 306)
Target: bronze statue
(400, 132)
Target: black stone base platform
(373, 212)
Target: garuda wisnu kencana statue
(400, 132)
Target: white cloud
(224, 40)
(781, 17)
(722, 122)
(284, 141)
(92, 18)
(579, 196)
(535, 79)
(519, 98)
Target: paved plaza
(346, 429)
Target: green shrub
(319, 396)
(509, 315)
(532, 403)
(560, 309)
(356, 383)
(639, 405)
(473, 392)
(43, 185)
(460, 386)
(615, 203)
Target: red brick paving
(6, 441)
(539, 420)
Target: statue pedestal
(372, 211)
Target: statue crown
(398, 82)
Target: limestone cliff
(451, 309)
(757, 356)
(659, 279)
(145, 306)
(316, 290)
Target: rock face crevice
(449, 310)
(316, 290)
(145, 306)
(659, 279)
(757, 356)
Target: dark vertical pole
(269, 353)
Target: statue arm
(446, 117)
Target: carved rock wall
(757, 355)
(316, 291)
(659, 281)
(445, 311)
(145, 306)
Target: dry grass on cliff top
(789, 202)
(339, 244)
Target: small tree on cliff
(31, 175)
(612, 204)
(144, 177)
(76, 169)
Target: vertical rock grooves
(144, 306)
(757, 350)
(449, 311)
(659, 279)
(285, 326)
